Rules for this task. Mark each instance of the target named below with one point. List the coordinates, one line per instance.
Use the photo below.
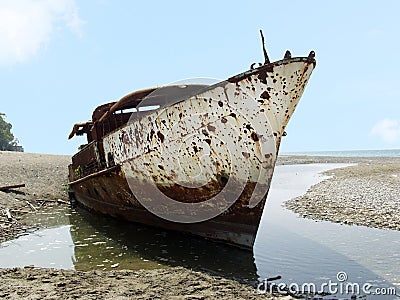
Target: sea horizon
(348, 153)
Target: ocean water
(350, 153)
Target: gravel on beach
(366, 194)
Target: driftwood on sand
(8, 214)
(10, 187)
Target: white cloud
(388, 130)
(26, 26)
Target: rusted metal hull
(202, 165)
(109, 193)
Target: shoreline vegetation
(366, 193)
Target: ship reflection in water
(102, 242)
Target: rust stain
(265, 95)
(160, 136)
(210, 128)
(254, 136)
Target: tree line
(7, 140)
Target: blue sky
(60, 59)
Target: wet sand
(365, 194)
(173, 283)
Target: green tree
(7, 140)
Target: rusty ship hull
(200, 162)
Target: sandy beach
(173, 283)
(366, 193)
(45, 178)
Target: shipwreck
(193, 158)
